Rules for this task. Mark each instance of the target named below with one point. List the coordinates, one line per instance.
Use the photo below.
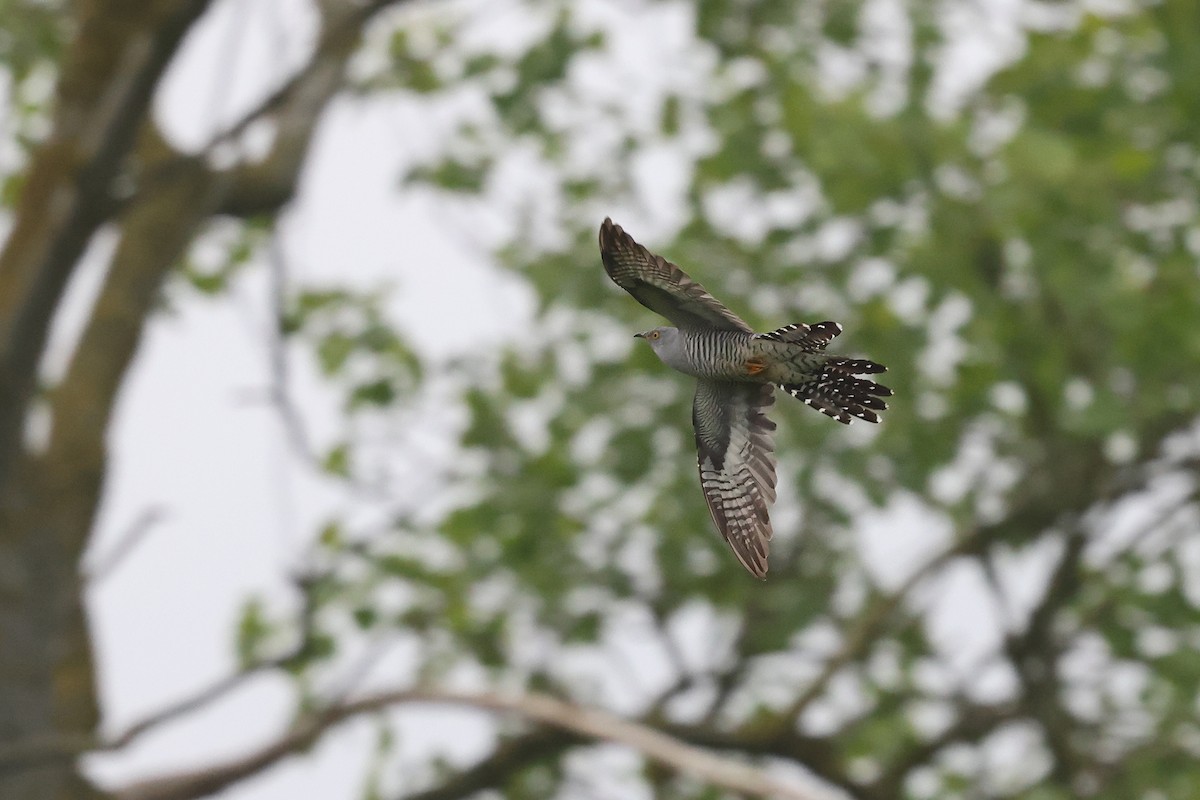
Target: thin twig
(863, 633)
(41, 750)
(35, 751)
(334, 30)
(100, 568)
(281, 396)
(345, 685)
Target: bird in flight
(737, 371)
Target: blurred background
(313, 389)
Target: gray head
(667, 344)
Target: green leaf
(253, 631)
(337, 461)
(375, 393)
(365, 617)
(333, 352)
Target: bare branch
(102, 566)
(204, 697)
(973, 723)
(589, 723)
(818, 755)
(37, 751)
(866, 628)
(336, 31)
(508, 758)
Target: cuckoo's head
(665, 341)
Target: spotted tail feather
(835, 392)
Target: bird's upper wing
(737, 464)
(660, 285)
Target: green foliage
(34, 33)
(356, 347)
(254, 629)
(210, 270)
(31, 44)
(1024, 261)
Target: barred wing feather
(812, 338)
(661, 286)
(736, 457)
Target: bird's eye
(654, 334)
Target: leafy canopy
(1021, 251)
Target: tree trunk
(50, 491)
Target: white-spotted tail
(835, 391)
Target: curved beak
(639, 336)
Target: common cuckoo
(737, 371)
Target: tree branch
(115, 62)
(509, 758)
(1035, 653)
(162, 217)
(48, 499)
(37, 751)
(588, 723)
(266, 186)
(973, 723)
(105, 564)
(864, 632)
(277, 344)
(818, 755)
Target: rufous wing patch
(755, 366)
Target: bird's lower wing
(660, 285)
(736, 456)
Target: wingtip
(754, 562)
(610, 233)
(759, 571)
(754, 567)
